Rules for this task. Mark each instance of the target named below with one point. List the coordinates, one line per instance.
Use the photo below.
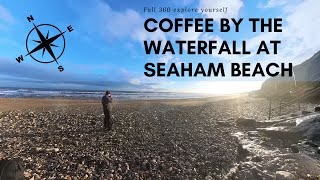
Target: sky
(105, 50)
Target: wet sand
(158, 139)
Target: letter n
(30, 18)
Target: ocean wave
(124, 95)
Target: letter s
(153, 72)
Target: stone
(38, 149)
(305, 112)
(256, 159)
(317, 109)
(52, 150)
(246, 122)
(284, 175)
(27, 174)
(294, 149)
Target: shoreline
(24, 103)
(93, 94)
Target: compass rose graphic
(44, 47)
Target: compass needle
(36, 41)
(44, 50)
(42, 42)
(54, 45)
(43, 39)
(40, 46)
(48, 48)
(55, 37)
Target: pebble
(284, 175)
(52, 150)
(256, 159)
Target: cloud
(234, 7)
(187, 2)
(225, 87)
(6, 19)
(6, 16)
(287, 4)
(299, 37)
(102, 19)
(303, 26)
(274, 3)
(165, 58)
(40, 75)
(299, 40)
(190, 35)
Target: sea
(91, 94)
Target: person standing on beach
(107, 106)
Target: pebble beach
(156, 139)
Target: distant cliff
(306, 78)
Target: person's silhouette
(107, 106)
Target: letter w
(153, 46)
(20, 58)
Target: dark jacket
(106, 101)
